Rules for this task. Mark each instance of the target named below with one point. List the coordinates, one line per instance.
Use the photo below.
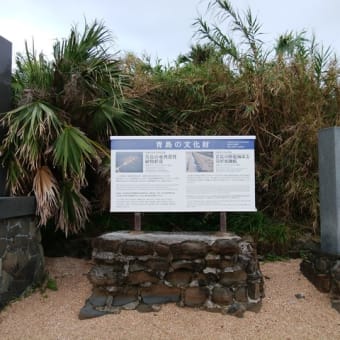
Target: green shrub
(271, 237)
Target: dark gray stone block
(125, 296)
(22, 258)
(3, 247)
(225, 247)
(10, 262)
(179, 278)
(195, 296)
(222, 296)
(5, 94)
(159, 294)
(14, 229)
(189, 250)
(336, 305)
(5, 74)
(19, 286)
(157, 264)
(241, 294)
(236, 276)
(11, 207)
(21, 242)
(137, 248)
(162, 249)
(144, 308)
(5, 282)
(105, 245)
(28, 270)
(137, 278)
(89, 312)
(195, 266)
(136, 266)
(97, 300)
(6, 297)
(104, 275)
(237, 309)
(329, 192)
(254, 290)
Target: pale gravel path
(282, 315)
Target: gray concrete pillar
(329, 191)
(5, 93)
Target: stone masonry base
(21, 257)
(323, 270)
(142, 271)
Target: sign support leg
(138, 221)
(223, 222)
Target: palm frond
(74, 208)
(31, 127)
(32, 78)
(72, 150)
(16, 174)
(46, 190)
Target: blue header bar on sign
(202, 143)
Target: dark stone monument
(9, 206)
(322, 266)
(329, 167)
(5, 93)
(21, 253)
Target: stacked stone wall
(323, 270)
(21, 257)
(143, 271)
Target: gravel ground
(54, 314)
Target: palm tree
(200, 54)
(65, 111)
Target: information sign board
(182, 173)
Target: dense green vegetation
(229, 83)
(65, 111)
(283, 96)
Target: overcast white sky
(159, 28)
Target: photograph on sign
(129, 162)
(182, 173)
(198, 161)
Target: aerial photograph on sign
(199, 161)
(129, 162)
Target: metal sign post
(138, 221)
(223, 222)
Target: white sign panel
(182, 173)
